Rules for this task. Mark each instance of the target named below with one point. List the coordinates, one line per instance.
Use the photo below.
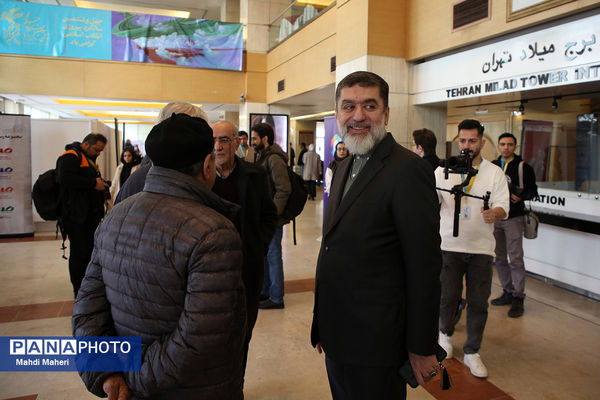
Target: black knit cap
(179, 141)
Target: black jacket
(378, 272)
(258, 217)
(529, 190)
(80, 201)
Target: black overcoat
(377, 283)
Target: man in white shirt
(471, 253)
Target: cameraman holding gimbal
(470, 253)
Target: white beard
(362, 144)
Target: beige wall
(117, 80)
(303, 60)
(352, 29)
(387, 28)
(429, 24)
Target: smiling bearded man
(377, 288)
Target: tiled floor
(551, 353)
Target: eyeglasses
(224, 139)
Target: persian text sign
(55, 31)
(70, 353)
(60, 31)
(560, 55)
(15, 175)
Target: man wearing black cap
(167, 267)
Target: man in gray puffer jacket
(166, 266)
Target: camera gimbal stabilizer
(460, 165)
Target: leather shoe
(269, 305)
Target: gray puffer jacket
(166, 266)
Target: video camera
(460, 164)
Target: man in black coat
(82, 200)
(245, 184)
(377, 284)
(509, 233)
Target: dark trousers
(312, 188)
(81, 245)
(350, 382)
(477, 270)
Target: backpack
(46, 195)
(46, 198)
(299, 194)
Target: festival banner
(54, 31)
(15, 175)
(61, 31)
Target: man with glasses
(245, 184)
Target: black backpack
(46, 198)
(46, 195)
(299, 194)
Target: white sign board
(15, 175)
(561, 55)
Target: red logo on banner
(6, 189)
(7, 150)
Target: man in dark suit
(377, 286)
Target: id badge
(466, 213)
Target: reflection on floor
(549, 353)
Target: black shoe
(263, 297)
(516, 308)
(461, 306)
(503, 300)
(269, 305)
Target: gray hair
(234, 129)
(181, 107)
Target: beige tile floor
(552, 353)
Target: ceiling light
(127, 121)
(522, 106)
(119, 114)
(113, 103)
(555, 102)
(321, 114)
(130, 8)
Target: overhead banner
(561, 55)
(15, 176)
(61, 31)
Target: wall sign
(556, 56)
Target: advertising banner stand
(16, 218)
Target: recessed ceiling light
(130, 8)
